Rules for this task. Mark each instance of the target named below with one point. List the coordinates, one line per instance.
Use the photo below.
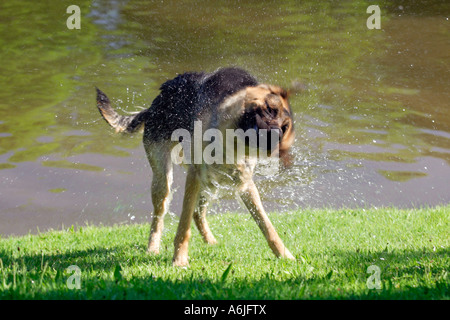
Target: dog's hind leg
(190, 200)
(160, 161)
(250, 196)
(200, 218)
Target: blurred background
(372, 117)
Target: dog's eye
(271, 112)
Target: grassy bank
(334, 250)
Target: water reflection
(372, 120)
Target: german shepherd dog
(229, 98)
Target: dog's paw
(180, 261)
(211, 240)
(288, 255)
(153, 250)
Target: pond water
(372, 118)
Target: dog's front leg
(200, 217)
(191, 194)
(250, 196)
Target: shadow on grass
(419, 274)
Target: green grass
(334, 248)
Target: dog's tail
(127, 124)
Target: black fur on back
(183, 99)
(225, 82)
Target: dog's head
(267, 107)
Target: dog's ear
(284, 94)
(280, 91)
(286, 158)
(297, 86)
(284, 147)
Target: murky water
(373, 121)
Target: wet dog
(229, 98)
